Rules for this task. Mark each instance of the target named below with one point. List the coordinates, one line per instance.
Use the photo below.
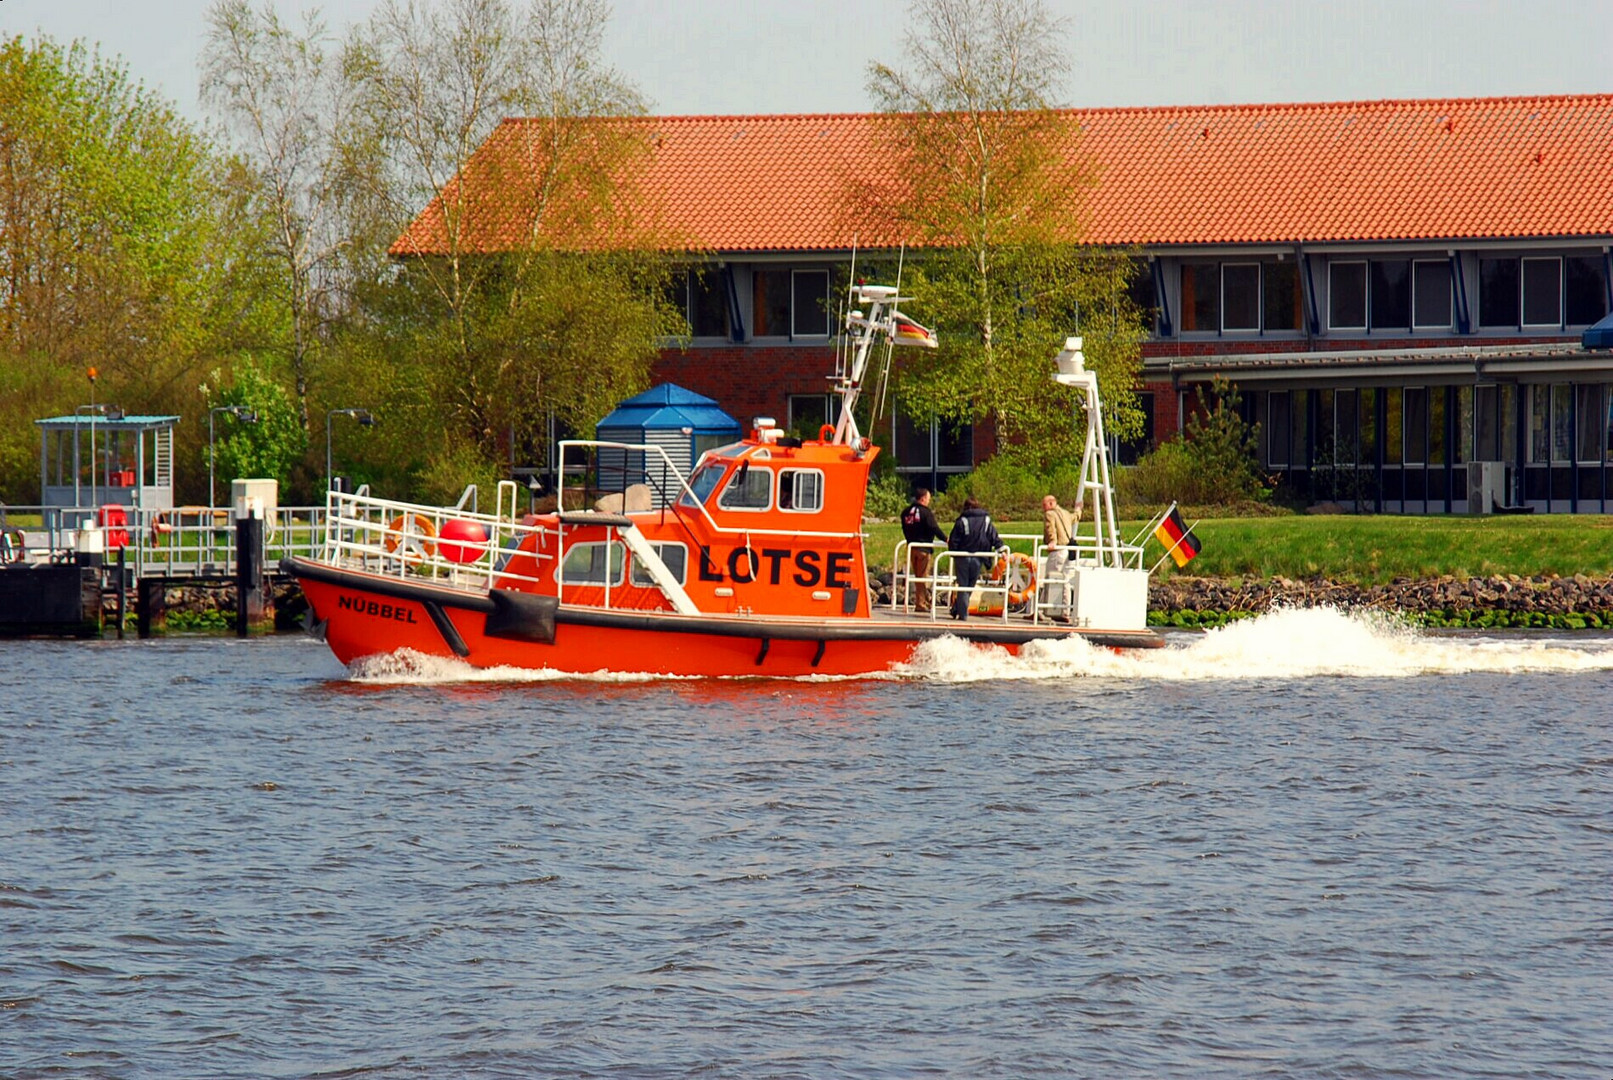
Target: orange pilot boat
(753, 564)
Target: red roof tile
(1380, 170)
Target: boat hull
(365, 615)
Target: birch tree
(989, 181)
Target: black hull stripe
(753, 627)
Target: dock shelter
(89, 460)
(683, 423)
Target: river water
(1308, 845)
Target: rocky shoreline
(1502, 600)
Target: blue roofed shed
(681, 422)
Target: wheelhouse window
(750, 488)
(585, 564)
(703, 483)
(676, 558)
(1347, 296)
(800, 490)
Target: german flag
(1181, 544)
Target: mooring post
(150, 604)
(123, 590)
(248, 573)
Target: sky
(794, 56)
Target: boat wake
(1284, 644)
(407, 667)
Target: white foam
(1284, 644)
(408, 667)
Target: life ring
(826, 432)
(160, 527)
(1020, 572)
(13, 546)
(414, 535)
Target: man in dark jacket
(920, 527)
(973, 531)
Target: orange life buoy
(414, 535)
(826, 432)
(160, 527)
(1020, 572)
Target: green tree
(270, 447)
(989, 184)
(278, 91)
(531, 282)
(124, 243)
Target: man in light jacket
(1058, 526)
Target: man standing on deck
(1058, 525)
(920, 527)
(973, 531)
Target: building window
(810, 412)
(1201, 297)
(1498, 292)
(1436, 425)
(1431, 295)
(770, 303)
(1278, 429)
(1127, 453)
(1561, 402)
(1367, 452)
(676, 558)
(1462, 452)
(931, 446)
(1589, 414)
(1415, 414)
(810, 303)
(1394, 432)
(1347, 296)
(1281, 296)
(704, 302)
(800, 490)
(1240, 296)
(1584, 289)
(1140, 288)
(1539, 432)
(1390, 296)
(1542, 292)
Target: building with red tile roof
(1398, 287)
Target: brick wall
(750, 380)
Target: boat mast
(884, 320)
(1095, 481)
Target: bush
(888, 495)
(1214, 465)
(1011, 490)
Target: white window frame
(1260, 284)
(1450, 296)
(828, 314)
(734, 475)
(567, 582)
(1366, 295)
(793, 472)
(659, 546)
(1523, 297)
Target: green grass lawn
(1370, 549)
